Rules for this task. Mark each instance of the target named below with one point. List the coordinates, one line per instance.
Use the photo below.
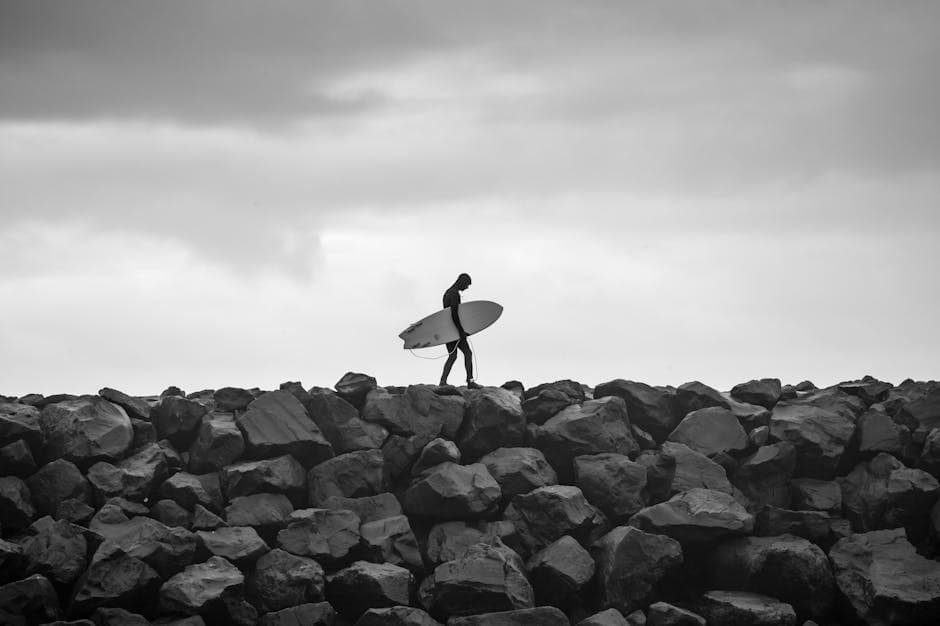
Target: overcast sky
(231, 192)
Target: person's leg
(464, 346)
(449, 363)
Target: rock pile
(559, 504)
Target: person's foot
(473, 385)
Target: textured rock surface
(710, 431)
(364, 585)
(519, 470)
(546, 514)
(612, 482)
(696, 516)
(86, 430)
(651, 409)
(451, 491)
(493, 420)
(276, 424)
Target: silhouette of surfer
(452, 301)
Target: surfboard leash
(473, 352)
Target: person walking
(452, 301)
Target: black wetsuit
(452, 301)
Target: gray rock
(815, 526)
(694, 395)
(283, 474)
(55, 482)
(437, 451)
(447, 541)
(134, 478)
(764, 392)
(329, 536)
(240, 545)
(232, 399)
(546, 404)
(391, 540)
(32, 600)
(665, 614)
(16, 459)
(929, 459)
(204, 519)
(695, 471)
(368, 508)
(86, 430)
(649, 408)
(187, 490)
(922, 413)
(540, 616)
(16, 507)
(171, 513)
(660, 474)
(417, 411)
(519, 470)
(21, 422)
(218, 443)
(74, 511)
(136, 408)
(165, 548)
(493, 419)
(710, 431)
(546, 514)
(396, 616)
(362, 586)
(820, 436)
(612, 482)
(878, 432)
(608, 617)
(400, 454)
(350, 475)
(104, 616)
(311, 614)
(870, 390)
(764, 477)
(559, 570)
(56, 549)
(114, 579)
(354, 387)
(340, 423)
(177, 418)
(201, 589)
(261, 510)
(809, 494)
(741, 608)
(696, 516)
(759, 436)
(12, 562)
(451, 491)
(276, 424)
(281, 580)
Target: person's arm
(454, 303)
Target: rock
(165, 548)
(764, 477)
(86, 430)
(32, 600)
(750, 416)
(276, 424)
(519, 470)
(546, 404)
(809, 494)
(204, 519)
(172, 390)
(451, 491)
(74, 511)
(665, 614)
(218, 444)
(16, 459)
(879, 433)
(230, 399)
(391, 540)
(187, 490)
(694, 470)
(764, 392)
(56, 549)
(354, 387)
(792, 569)
(133, 478)
(630, 565)
(930, 453)
(609, 617)
(12, 562)
(649, 408)
(546, 514)
(493, 419)
(596, 426)
(261, 510)
(340, 423)
(437, 451)
(114, 579)
(710, 431)
(450, 540)
(20, 422)
(55, 482)
(144, 434)
(694, 395)
(660, 474)
(177, 418)
(560, 570)
(814, 526)
(281, 474)
(540, 616)
(419, 410)
(922, 414)
(883, 493)
(396, 616)
(759, 436)
(368, 508)
(400, 454)
(363, 585)
(696, 516)
(571, 388)
(350, 475)
(884, 580)
(16, 507)
(311, 614)
(741, 608)
(201, 589)
(104, 616)
(820, 437)
(174, 460)
(489, 577)
(329, 536)
(869, 390)
(240, 545)
(612, 482)
(281, 580)
(136, 408)
(172, 514)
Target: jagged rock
(630, 564)
(493, 419)
(612, 482)
(218, 444)
(694, 395)
(764, 392)
(694, 470)
(177, 418)
(368, 508)
(710, 431)
(665, 614)
(281, 474)
(883, 493)
(55, 482)
(172, 390)
(546, 514)
(20, 421)
(571, 388)
(16, 507)
(559, 570)
(877, 432)
(519, 470)
(437, 451)
(400, 454)
(540, 616)
(136, 408)
(74, 511)
(12, 561)
(144, 433)
(269, 510)
(114, 579)
(835, 400)
(239, 544)
(329, 536)
(660, 473)
(820, 436)
(340, 423)
(172, 514)
(396, 616)
(741, 608)
(391, 540)
(187, 490)
(546, 404)
(417, 411)
(232, 399)
(32, 600)
(174, 460)
(311, 614)
(750, 416)
(56, 549)
(870, 390)
(350, 475)
(649, 408)
(166, 549)
(451, 491)
(16, 459)
(759, 436)
(363, 585)
(489, 577)
(591, 428)
(930, 453)
(204, 519)
(104, 616)
(790, 568)
(809, 494)
(608, 617)
(922, 414)
(814, 526)
(86, 430)
(643, 438)
(450, 540)
(133, 478)
(884, 580)
(696, 516)
(276, 424)
(353, 387)
(201, 589)
(764, 477)
(281, 580)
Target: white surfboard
(439, 328)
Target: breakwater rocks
(618, 504)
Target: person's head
(463, 281)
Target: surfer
(452, 301)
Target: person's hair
(465, 278)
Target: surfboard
(439, 328)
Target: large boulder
(879, 432)
(202, 589)
(114, 579)
(630, 566)
(363, 585)
(340, 423)
(447, 541)
(281, 580)
(55, 483)
(260, 511)
(519, 470)
(539, 616)
(437, 451)
(694, 395)
(176, 418)
(32, 600)
(187, 490)
(353, 387)
(164, 548)
(544, 515)
(612, 482)
(815, 526)
(397, 616)
(16, 507)
(451, 491)
(391, 540)
(240, 545)
(743, 608)
(883, 580)
(764, 477)
(819, 434)
(810, 494)
(20, 422)
(310, 614)
(696, 516)
(329, 536)
(401, 453)
(86, 430)
(218, 443)
(922, 413)
(559, 570)
(136, 408)
(419, 410)
(232, 399)
(660, 474)
(16, 459)
(787, 567)
(276, 424)
(493, 419)
(869, 389)
(56, 549)
(695, 470)
(283, 474)
(543, 402)
(134, 478)
(590, 428)
(764, 392)
(651, 409)
(710, 431)
(350, 475)
(368, 508)
(665, 614)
